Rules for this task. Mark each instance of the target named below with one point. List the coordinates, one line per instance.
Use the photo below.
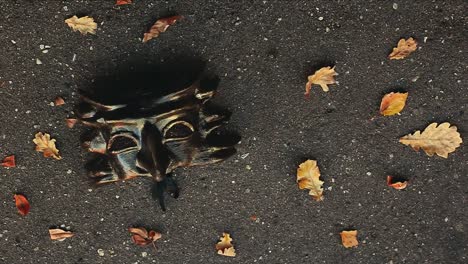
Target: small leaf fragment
(393, 103)
(308, 177)
(435, 139)
(396, 183)
(349, 238)
(322, 77)
(59, 101)
(225, 247)
(9, 162)
(141, 237)
(59, 234)
(71, 122)
(123, 2)
(403, 49)
(159, 27)
(22, 204)
(46, 145)
(84, 24)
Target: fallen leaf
(123, 2)
(22, 204)
(59, 234)
(322, 77)
(9, 162)
(224, 247)
(83, 24)
(349, 238)
(440, 140)
(59, 101)
(403, 49)
(393, 103)
(308, 177)
(396, 183)
(142, 237)
(253, 218)
(159, 27)
(47, 145)
(71, 122)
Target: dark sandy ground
(262, 51)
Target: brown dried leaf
(403, 49)
(142, 237)
(440, 140)
(225, 247)
(46, 145)
(349, 238)
(22, 204)
(59, 101)
(9, 162)
(322, 77)
(159, 27)
(393, 103)
(59, 234)
(123, 2)
(71, 122)
(84, 24)
(396, 183)
(308, 177)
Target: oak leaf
(123, 2)
(159, 27)
(322, 77)
(59, 234)
(22, 204)
(393, 103)
(308, 177)
(403, 49)
(396, 183)
(141, 237)
(225, 247)
(440, 140)
(9, 162)
(46, 145)
(84, 24)
(349, 238)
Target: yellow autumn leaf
(59, 234)
(403, 49)
(308, 177)
(349, 238)
(393, 103)
(440, 140)
(225, 247)
(83, 24)
(46, 145)
(322, 77)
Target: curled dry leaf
(308, 177)
(159, 27)
(84, 24)
(440, 140)
(46, 145)
(396, 183)
(123, 2)
(9, 162)
(322, 77)
(142, 237)
(59, 234)
(403, 49)
(225, 247)
(71, 122)
(349, 238)
(393, 103)
(59, 101)
(22, 204)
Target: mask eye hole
(122, 142)
(178, 130)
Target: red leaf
(396, 183)
(123, 2)
(9, 162)
(59, 101)
(71, 122)
(22, 204)
(142, 237)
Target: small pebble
(395, 6)
(38, 62)
(144, 254)
(320, 18)
(100, 252)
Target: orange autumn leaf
(22, 204)
(435, 139)
(59, 234)
(403, 49)
(349, 238)
(308, 177)
(159, 27)
(46, 145)
(396, 183)
(322, 77)
(123, 2)
(9, 162)
(59, 101)
(393, 103)
(141, 237)
(225, 247)
(84, 24)
(71, 122)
